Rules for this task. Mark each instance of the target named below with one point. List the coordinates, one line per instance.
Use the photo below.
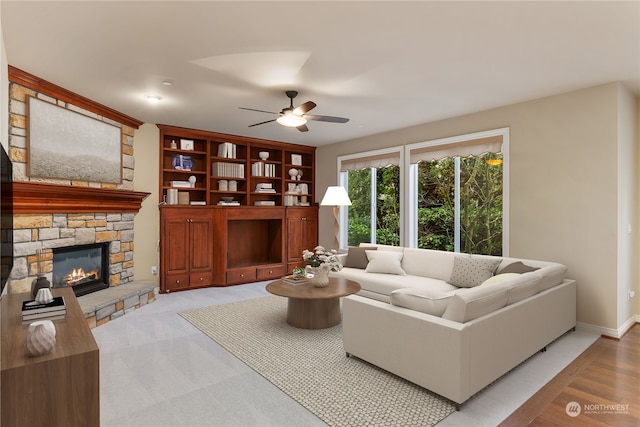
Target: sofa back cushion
(428, 263)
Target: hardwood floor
(600, 388)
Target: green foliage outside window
(480, 205)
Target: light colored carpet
(312, 368)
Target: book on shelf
(181, 184)
(295, 280)
(265, 190)
(263, 185)
(264, 203)
(232, 170)
(198, 203)
(227, 149)
(49, 315)
(33, 307)
(223, 203)
(263, 169)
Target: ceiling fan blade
(260, 111)
(307, 106)
(303, 128)
(261, 123)
(331, 119)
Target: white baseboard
(608, 332)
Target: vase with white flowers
(320, 262)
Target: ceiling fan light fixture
(291, 120)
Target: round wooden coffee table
(314, 308)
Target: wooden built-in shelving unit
(261, 236)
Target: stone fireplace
(52, 214)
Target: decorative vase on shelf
(320, 277)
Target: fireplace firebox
(85, 268)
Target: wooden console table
(61, 388)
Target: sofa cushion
(387, 248)
(551, 275)
(469, 271)
(516, 267)
(524, 286)
(384, 262)
(428, 263)
(381, 285)
(473, 303)
(423, 300)
(357, 258)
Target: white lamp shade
(336, 196)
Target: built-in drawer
(201, 279)
(271, 272)
(176, 281)
(241, 275)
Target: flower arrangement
(323, 259)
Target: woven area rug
(312, 368)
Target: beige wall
(147, 221)
(563, 185)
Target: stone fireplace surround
(50, 213)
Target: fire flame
(78, 274)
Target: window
(457, 190)
(460, 204)
(452, 195)
(374, 214)
(372, 181)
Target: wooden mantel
(36, 197)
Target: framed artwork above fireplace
(64, 144)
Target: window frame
(411, 213)
(343, 182)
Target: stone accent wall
(33, 232)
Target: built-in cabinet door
(187, 249)
(302, 233)
(201, 243)
(176, 245)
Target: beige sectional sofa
(449, 322)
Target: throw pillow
(517, 267)
(357, 258)
(384, 262)
(500, 278)
(469, 271)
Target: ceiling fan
(297, 117)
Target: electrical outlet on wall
(631, 294)
(154, 270)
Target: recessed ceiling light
(167, 83)
(154, 99)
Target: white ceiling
(385, 65)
